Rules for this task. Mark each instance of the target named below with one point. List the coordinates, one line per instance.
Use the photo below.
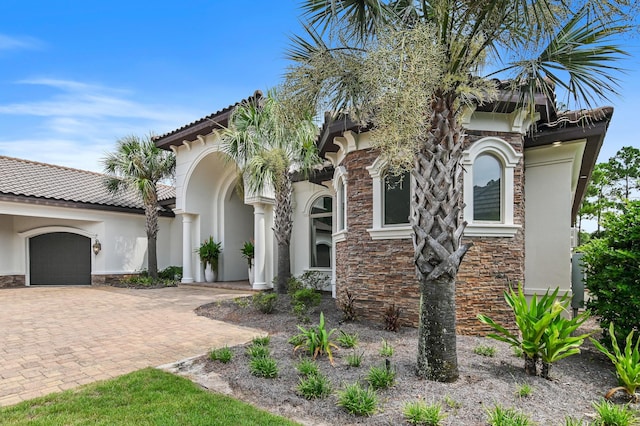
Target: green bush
(626, 361)
(261, 340)
(307, 367)
(421, 413)
(386, 350)
(317, 340)
(315, 280)
(613, 275)
(294, 285)
(485, 350)
(544, 332)
(308, 296)
(265, 302)
(608, 414)
(381, 377)
(500, 416)
(314, 386)
(173, 273)
(355, 359)
(223, 355)
(347, 340)
(258, 351)
(358, 401)
(266, 367)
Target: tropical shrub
(358, 401)
(223, 355)
(314, 386)
(347, 306)
(381, 377)
(265, 302)
(317, 340)
(266, 367)
(608, 414)
(307, 296)
(612, 266)
(421, 413)
(392, 318)
(347, 340)
(173, 273)
(544, 332)
(626, 362)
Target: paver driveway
(57, 338)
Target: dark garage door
(60, 258)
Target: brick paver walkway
(57, 338)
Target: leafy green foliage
(544, 332)
(452, 403)
(318, 340)
(626, 362)
(347, 340)
(314, 386)
(354, 359)
(307, 296)
(307, 367)
(381, 377)
(485, 350)
(421, 413)
(608, 414)
(248, 252)
(500, 416)
(224, 354)
(315, 280)
(524, 390)
(613, 272)
(173, 273)
(265, 302)
(570, 421)
(209, 252)
(261, 340)
(386, 350)
(266, 367)
(258, 351)
(358, 401)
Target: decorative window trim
(509, 159)
(340, 187)
(380, 231)
(311, 217)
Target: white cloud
(80, 122)
(15, 43)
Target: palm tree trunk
(437, 228)
(282, 231)
(151, 213)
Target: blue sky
(76, 76)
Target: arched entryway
(59, 258)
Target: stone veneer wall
(109, 279)
(9, 281)
(378, 273)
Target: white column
(187, 251)
(259, 237)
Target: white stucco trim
(348, 142)
(509, 159)
(391, 233)
(517, 121)
(340, 186)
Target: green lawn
(145, 397)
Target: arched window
(489, 166)
(321, 229)
(487, 189)
(396, 199)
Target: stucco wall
(550, 182)
(122, 236)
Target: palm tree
(269, 142)
(568, 50)
(138, 165)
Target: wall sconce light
(96, 247)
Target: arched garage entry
(60, 258)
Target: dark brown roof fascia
(25, 199)
(202, 126)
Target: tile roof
(47, 181)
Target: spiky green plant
(317, 340)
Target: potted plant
(247, 251)
(209, 253)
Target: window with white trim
(321, 218)
(489, 188)
(340, 186)
(391, 203)
(396, 192)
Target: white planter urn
(251, 268)
(209, 273)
